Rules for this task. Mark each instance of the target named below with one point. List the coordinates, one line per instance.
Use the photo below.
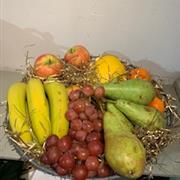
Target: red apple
(47, 65)
(77, 55)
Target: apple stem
(72, 50)
(49, 62)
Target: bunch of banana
(37, 109)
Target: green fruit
(135, 90)
(124, 152)
(141, 115)
(123, 124)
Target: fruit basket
(92, 97)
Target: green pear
(124, 152)
(135, 90)
(123, 123)
(144, 116)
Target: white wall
(146, 31)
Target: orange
(140, 73)
(158, 104)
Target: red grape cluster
(80, 153)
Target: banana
(58, 99)
(17, 108)
(38, 109)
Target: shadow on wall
(16, 41)
(155, 69)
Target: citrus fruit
(140, 73)
(108, 67)
(158, 104)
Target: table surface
(168, 163)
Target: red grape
(81, 135)
(67, 161)
(87, 126)
(92, 163)
(80, 172)
(71, 104)
(75, 147)
(99, 92)
(61, 171)
(100, 114)
(74, 95)
(83, 144)
(64, 144)
(103, 171)
(87, 103)
(88, 90)
(89, 110)
(92, 174)
(72, 133)
(79, 105)
(78, 152)
(98, 125)
(76, 124)
(51, 141)
(93, 136)
(82, 116)
(94, 116)
(95, 148)
(44, 158)
(53, 154)
(71, 114)
(82, 153)
(55, 165)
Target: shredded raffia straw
(153, 141)
(72, 75)
(171, 113)
(33, 150)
